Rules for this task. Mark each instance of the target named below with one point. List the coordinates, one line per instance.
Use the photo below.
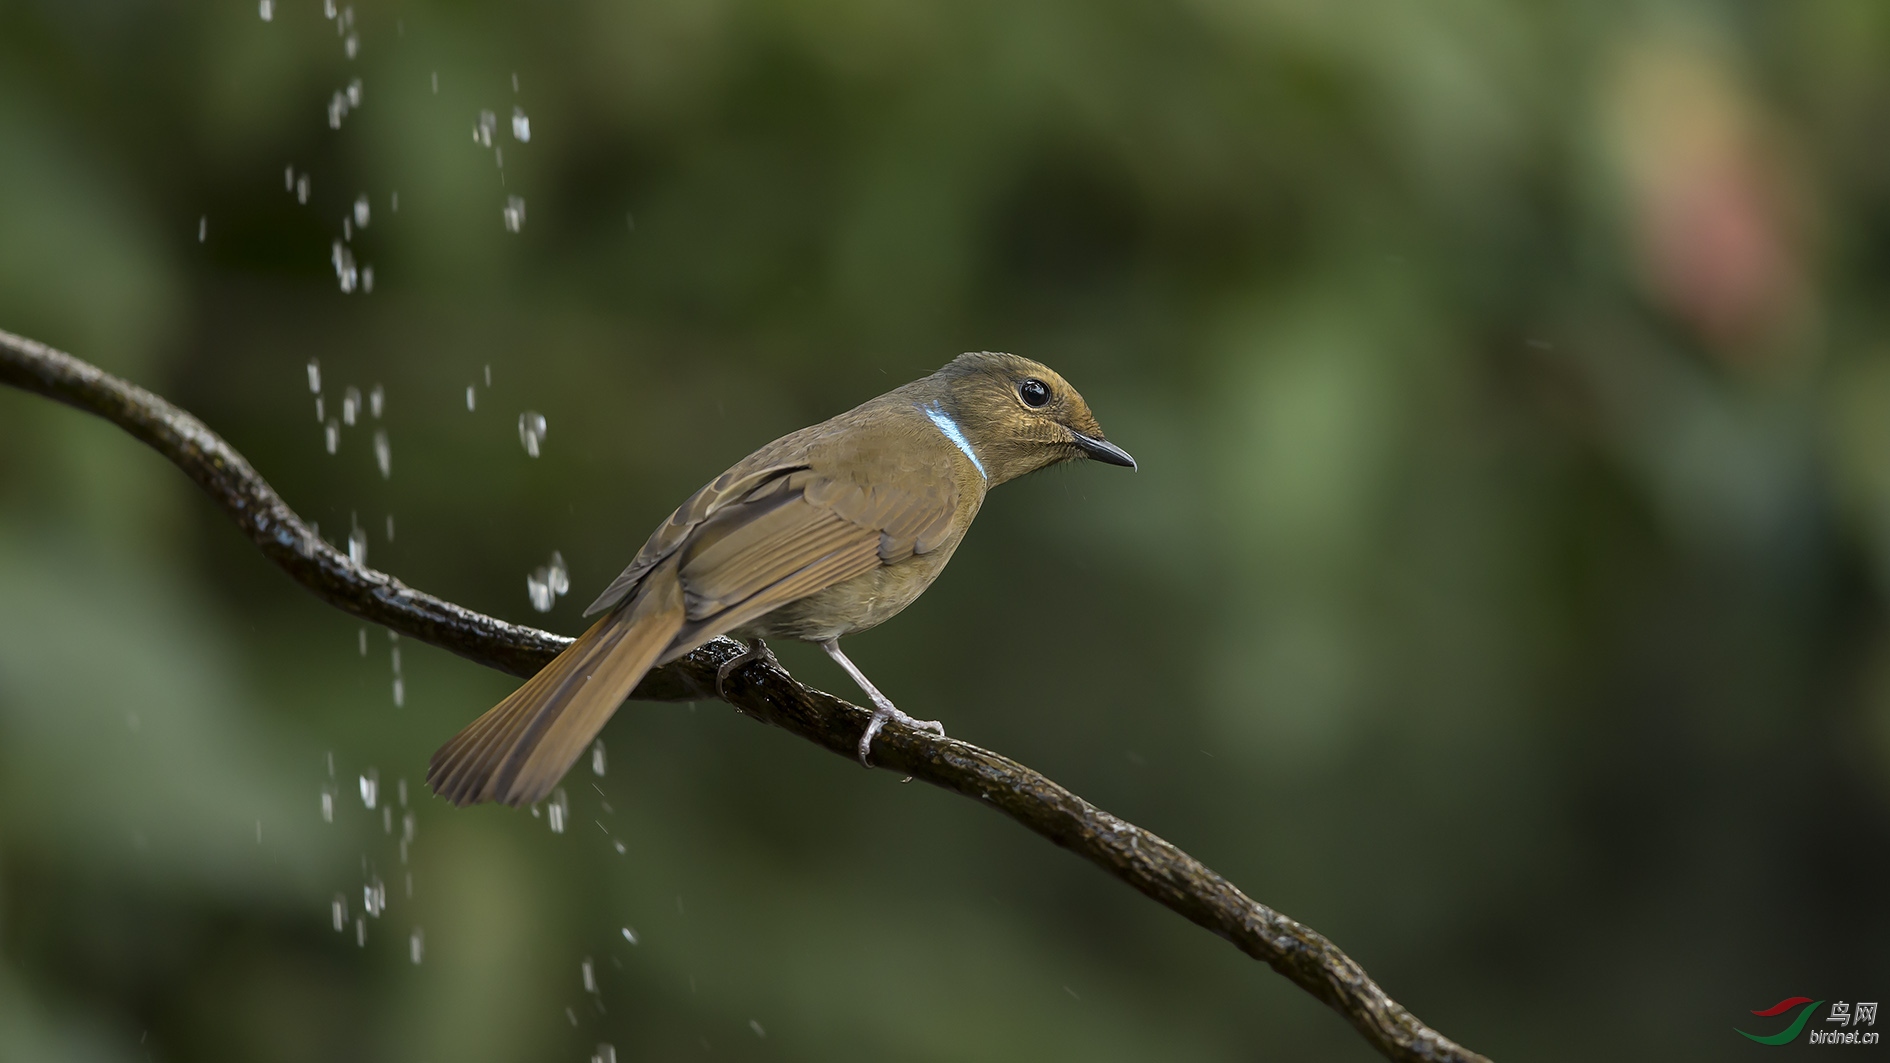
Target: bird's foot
(883, 711)
(757, 650)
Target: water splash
(531, 431)
(547, 583)
(345, 272)
(514, 213)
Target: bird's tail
(522, 746)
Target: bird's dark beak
(1103, 450)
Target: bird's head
(1016, 415)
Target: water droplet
(539, 593)
(619, 847)
(558, 811)
(267, 9)
(301, 189)
(390, 516)
(361, 211)
(521, 126)
(376, 402)
(350, 405)
(759, 1032)
(328, 8)
(597, 756)
(288, 178)
(374, 896)
(589, 974)
(408, 824)
(384, 457)
(482, 129)
(320, 416)
(357, 547)
(347, 229)
(331, 435)
(343, 260)
(360, 931)
(403, 804)
(629, 935)
(395, 199)
(370, 787)
(352, 45)
(328, 804)
(558, 576)
(367, 279)
(436, 82)
(400, 692)
(604, 1054)
(416, 945)
(514, 213)
(515, 82)
(488, 374)
(547, 583)
(337, 109)
(470, 398)
(314, 376)
(354, 93)
(531, 431)
(203, 227)
(387, 819)
(340, 910)
(363, 641)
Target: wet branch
(1146, 862)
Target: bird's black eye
(1034, 392)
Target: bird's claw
(757, 650)
(885, 713)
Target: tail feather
(521, 747)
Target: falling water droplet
(400, 692)
(557, 576)
(531, 431)
(376, 402)
(267, 9)
(357, 552)
(354, 93)
(558, 811)
(436, 82)
(331, 435)
(370, 787)
(301, 189)
(361, 211)
(360, 931)
(629, 935)
(350, 405)
(367, 280)
(604, 1054)
(759, 1032)
(514, 213)
(539, 591)
(343, 260)
(374, 896)
(416, 945)
(363, 641)
(328, 804)
(521, 126)
(470, 401)
(203, 227)
(589, 974)
(483, 127)
(314, 376)
(384, 457)
(339, 908)
(328, 8)
(597, 756)
(352, 46)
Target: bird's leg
(757, 650)
(883, 708)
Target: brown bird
(824, 532)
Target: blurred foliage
(1502, 592)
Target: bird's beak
(1103, 450)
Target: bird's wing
(799, 533)
(783, 456)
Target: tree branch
(1146, 862)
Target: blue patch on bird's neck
(936, 411)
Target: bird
(821, 534)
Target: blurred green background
(1502, 594)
